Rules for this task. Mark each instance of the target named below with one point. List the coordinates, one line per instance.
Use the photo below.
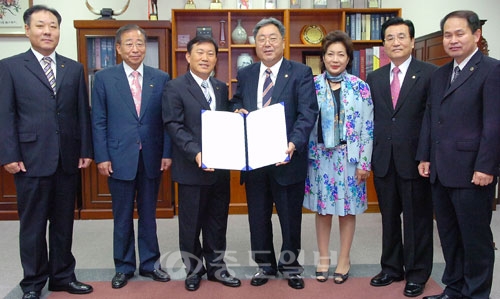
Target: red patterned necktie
(136, 90)
(395, 86)
(268, 89)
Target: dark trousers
(262, 192)
(406, 251)
(41, 200)
(144, 192)
(203, 209)
(463, 219)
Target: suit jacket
(461, 128)
(119, 133)
(183, 101)
(397, 130)
(38, 127)
(295, 87)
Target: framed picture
(11, 17)
(313, 60)
(320, 3)
(244, 4)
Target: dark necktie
(395, 86)
(268, 89)
(47, 69)
(456, 72)
(204, 84)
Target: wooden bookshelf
(96, 198)
(185, 22)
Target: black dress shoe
(74, 287)
(261, 277)
(192, 282)
(120, 280)
(31, 295)
(295, 281)
(384, 279)
(226, 279)
(156, 274)
(440, 296)
(413, 289)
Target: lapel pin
(413, 77)
(471, 69)
(286, 75)
(62, 65)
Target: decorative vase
(243, 60)
(222, 36)
(239, 35)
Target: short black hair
(128, 27)
(36, 8)
(397, 21)
(199, 39)
(471, 17)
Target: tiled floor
(92, 248)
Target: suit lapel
(386, 87)
(148, 85)
(195, 90)
(61, 71)
(467, 71)
(123, 88)
(217, 92)
(411, 77)
(33, 65)
(282, 80)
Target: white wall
(425, 14)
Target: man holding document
(203, 193)
(277, 80)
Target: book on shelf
(362, 64)
(244, 142)
(369, 61)
(355, 63)
(97, 53)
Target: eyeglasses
(273, 40)
(130, 45)
(392, 38)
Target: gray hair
(268, 21)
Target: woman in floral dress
(340, 149)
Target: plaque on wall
(312, 34)
(204, 31)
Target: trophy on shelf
(153, 10)
(190, 5)
(216, 4)
(106, 13)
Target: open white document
(244, 142)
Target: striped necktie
(204, 85)
(268, 89)
(47, 69)
(456, 72)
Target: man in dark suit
(46, 140)
(203, 193)
(399, 187)
(459, 150)
(132, 149)
(281, 184)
